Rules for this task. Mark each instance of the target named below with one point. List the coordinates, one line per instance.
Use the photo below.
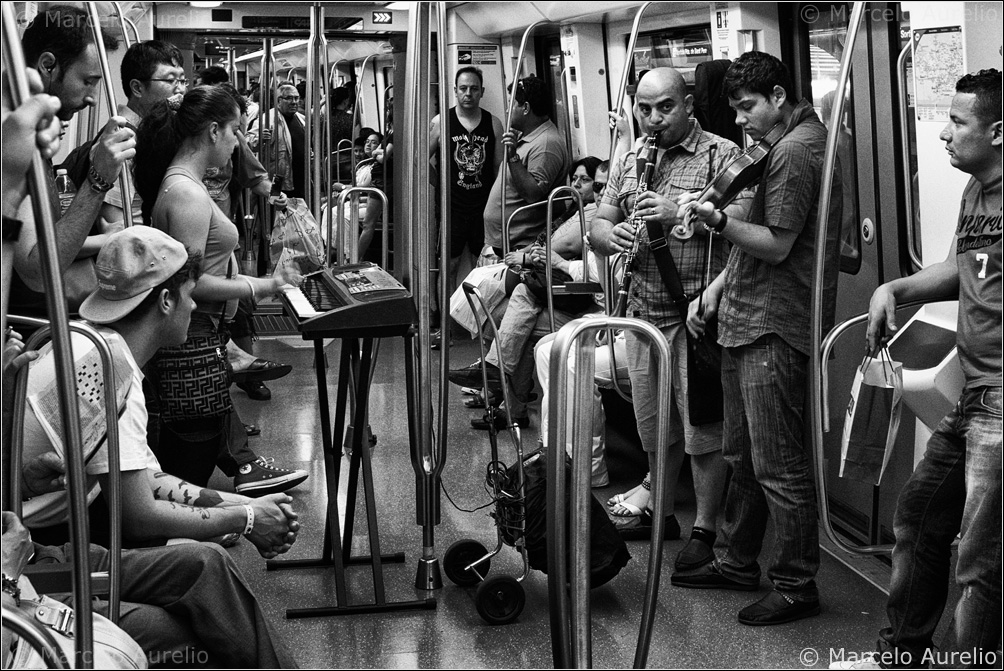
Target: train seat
(932, 377)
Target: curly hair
(757, 72)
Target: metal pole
(819, 265)
(549, 270)
(311, 158)
(326, 131)
(122, 24)
(65, 377)
(106, 74)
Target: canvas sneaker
(260, 477)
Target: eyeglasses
(292, 99)
(173, 83)
(599, 186)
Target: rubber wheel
(459, 556)
(500, 599)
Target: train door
(872, 223)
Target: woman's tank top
(221, 240)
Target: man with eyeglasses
(152, 71)
(287, 130)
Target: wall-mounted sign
(477, 54)
(383, 18)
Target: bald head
(662, 105)
(664, 81)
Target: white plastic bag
(296, 242)
(872, 418)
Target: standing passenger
(175, 148)
(683, 160)
(764, 330)
(956, 488)
(287, 128)
(475, 148)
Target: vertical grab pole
(508, 120)
(66, 379)
(549, 270)
(122, 24)
(326, 131)
(819, 265)
(445, 232)
(264, 122)
(311, 158)
(571, 622)
(106, 75)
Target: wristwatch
(10, 587)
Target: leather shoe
(708, 577)
(261, 370)
(256, 390)
(776, 608)
(697, 552)
(501, 421)
(471, 375)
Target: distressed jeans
(764, 386)
(957, 486)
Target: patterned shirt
(760, 297)
(683, 167)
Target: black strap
(667, 267)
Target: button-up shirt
(759, 297)
(685, 167)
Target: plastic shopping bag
(489, 280)
(296, 242)
(872, 418)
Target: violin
(743, 171)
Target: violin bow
(712, 150)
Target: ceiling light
(205, 5)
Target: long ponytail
(165, 127)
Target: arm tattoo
(208, 498)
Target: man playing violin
(762, 300)
(686, 155)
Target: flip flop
(617, 498)
(632, 510)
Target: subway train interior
(411, 478)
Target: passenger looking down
(59, 44)
(956, 488)
(537, 159)
(286, 129)
(176, 148)
(760, 300)
(686, 156)
(523, 281)
(143, 303)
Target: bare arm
(610, 234)
(434, 134)
(499, 150)
(117, 144)
(940, 280)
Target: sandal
(630, 509)
(640, 528)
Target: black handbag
(193, 379)
(536, 281)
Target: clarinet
(645, 168)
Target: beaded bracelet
(98, 182)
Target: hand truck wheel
(459, 556)
(500, 599)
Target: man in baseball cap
(129, 266)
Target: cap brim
(100, 310)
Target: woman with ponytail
(176, 143)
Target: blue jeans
(764, 385)
(956, 486)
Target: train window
(680, 48)
(826, 44)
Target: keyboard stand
(355, 366)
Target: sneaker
(260, 477)
(777, 608)
(868, 660)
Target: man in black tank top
(475, 145)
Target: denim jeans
(764, 384)
(956, 486)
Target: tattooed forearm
(208, 498)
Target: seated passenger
(525, 303)
(143, 303)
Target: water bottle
(65, 189)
